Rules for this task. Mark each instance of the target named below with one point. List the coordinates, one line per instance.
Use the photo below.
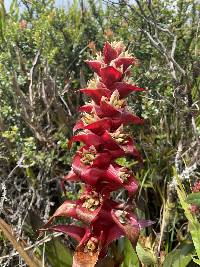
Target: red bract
(96, 94)
(124, 61)
(110, 75)
(101, 130)
(125, 89)
(95, 65)
(118, 142)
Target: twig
(29, 207)
(37, 244)
(43, 253)
(17, 166)
(3, 197)
(31, 76)
(47, 103)
(66, 105)
(6, 229)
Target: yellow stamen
(91, 203)
(91, 245)
(115, 100)
(123, 175)
(88, 118)
(93, 83)
(122, 216)
(88, 156)
(119, 136)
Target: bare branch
(41, 242)
(6, 229)
(35, 61)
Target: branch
(47, 102)
(157, 43)
(7, 231)
(37, 244)
(35, 61)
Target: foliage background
(42, 53)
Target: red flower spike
(87, 138)
(85, 209)
(129, 148)
(95, 65)
(108, 110)
(125, 89)
(109, 53)
(99, 127)
(96, 94)
(86, 108)
(125, 62)
(88, 157)
(94, 164)
(89, 206)
(70, 177)
(128, 224)
(79, 126)
(114, 233)
(110, 75)
(119, 140)
(85, 259)
(109, 142)
(125, 118)
(123, 177)
(72, 230)
(87, 252)
(67, 209)
(115, 142)
(90, 175)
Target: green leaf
(2, 18)
(57, 254)
(121, 161)
(194, 225)
(194, 229)
(196, 261)
(130, 256)
(145, 255)
(177, 258)
(193, 198)
(14, 10)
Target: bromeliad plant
(101, 130)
